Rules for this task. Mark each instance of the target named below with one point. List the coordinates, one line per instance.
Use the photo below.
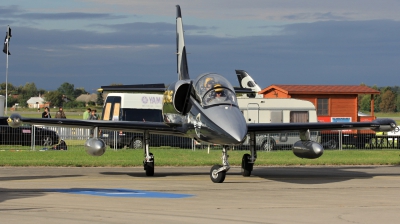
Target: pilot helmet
(210, 84)
(209, 81)
(218, 88)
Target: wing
(376, 125)
(16, 120)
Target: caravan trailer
(269, 110)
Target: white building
(36, 102)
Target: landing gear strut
(148, 162)
(218, 172)
(248, 160)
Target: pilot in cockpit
(219, 92)
(216, 95)
(215, 90)
(208, 84)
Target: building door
(252, 112)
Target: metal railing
(33, 137)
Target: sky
(91, 43)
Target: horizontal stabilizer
(158, 87)
(243, 90)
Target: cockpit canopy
(213, 89)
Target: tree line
(387, 101)
(65, 95)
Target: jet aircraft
(204, 109)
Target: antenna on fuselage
(182, 67)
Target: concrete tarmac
(326, 194)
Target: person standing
(60, 113)
(46, 113)
(93, 115)
(97, 115)
(86, 114)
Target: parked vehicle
(23, 135)
(136, 107)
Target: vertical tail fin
(182, 67)
(245, 81)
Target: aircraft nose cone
(238, 133)
(231, 124)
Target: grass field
(77, 157)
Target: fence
(44, 137)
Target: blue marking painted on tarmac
(121, 193)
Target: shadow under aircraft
(206, 110)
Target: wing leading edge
(129, 126)
(383, 124)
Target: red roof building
(331, 101)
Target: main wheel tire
(246, 166)
(137, 143)
(333, 144)
(46, 140)
(268, 145)
(217, 177)
(149, 167)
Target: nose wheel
(216, 175)
(218, 172)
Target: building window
(322, 107)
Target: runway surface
(333, 194)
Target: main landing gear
(247, 159)
(218, 172)
(148, 162)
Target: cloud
(8, 11)
(16, 12)
(328, 52)
(140, 27)
(259, 9)
(69, 15)
(308, 53)
(316, 16)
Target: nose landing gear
(218, 172)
